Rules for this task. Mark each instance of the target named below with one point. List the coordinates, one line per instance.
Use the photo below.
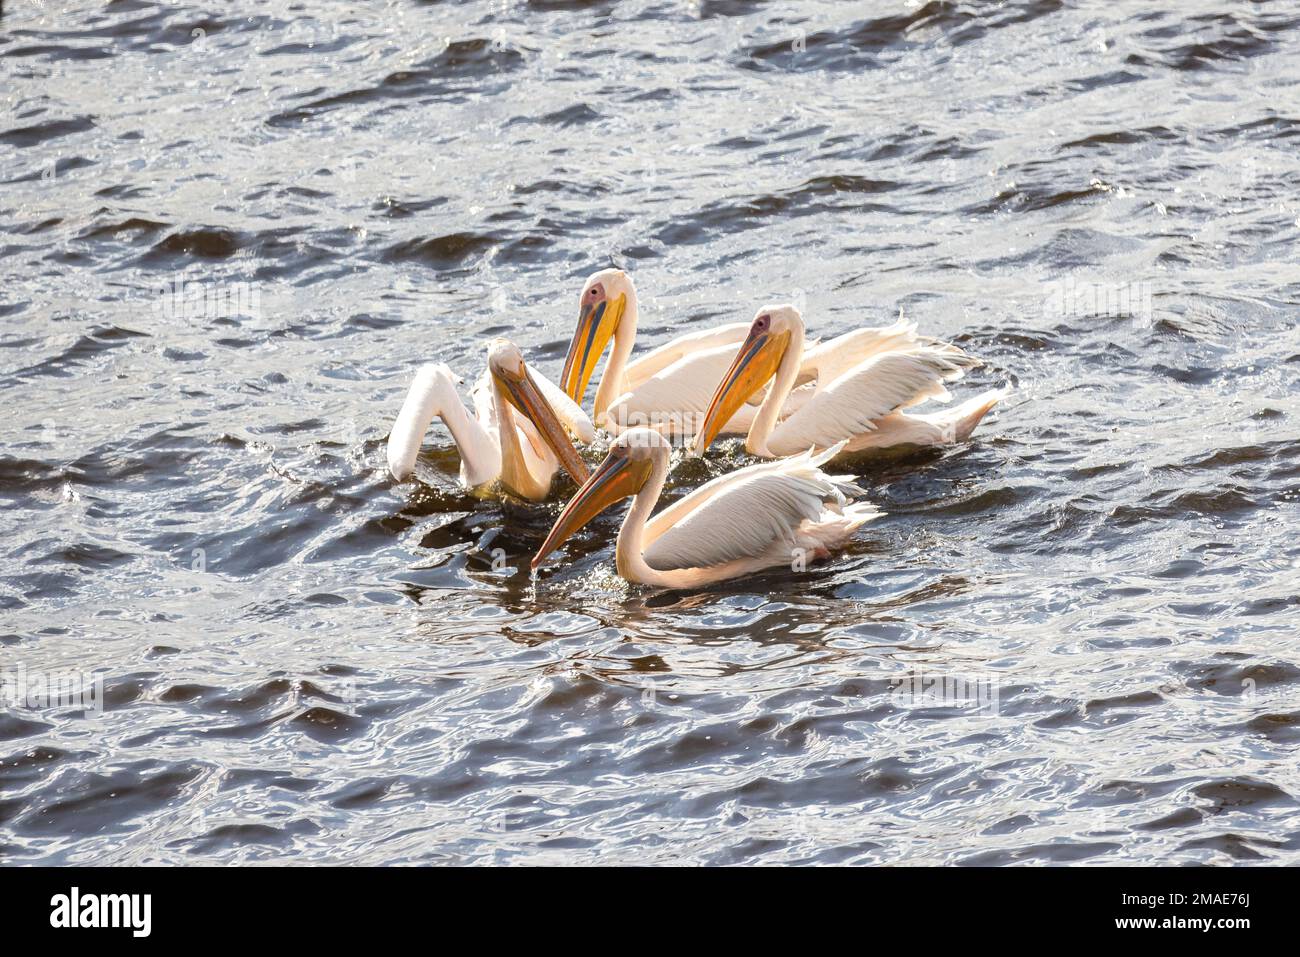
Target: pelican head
(628, 466)
(757, 361)
(600, 310)
(508, 370)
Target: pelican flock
(799, 404)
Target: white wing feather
(849, 405)
(660, 358)
(685, 387)
(746, 514)
(834, 358)
(831, 359)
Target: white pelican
(773, 513)
(857, 404)
(521, 451)
(666, 389)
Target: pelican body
(855, 404)
(770, 514)
(517, 437)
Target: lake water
(304, 661)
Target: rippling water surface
(304, 661)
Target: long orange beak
(617, 478)
(596, 325)
(524, 395)
(756, 362)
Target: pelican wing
(666, 518)
(831, 359)
(834, 358)
(684, 388)
(660, 358)
(750, 513)
(848, 406)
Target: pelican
(773, 513)
(667, 388)
(516, 436)
(855, 406)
